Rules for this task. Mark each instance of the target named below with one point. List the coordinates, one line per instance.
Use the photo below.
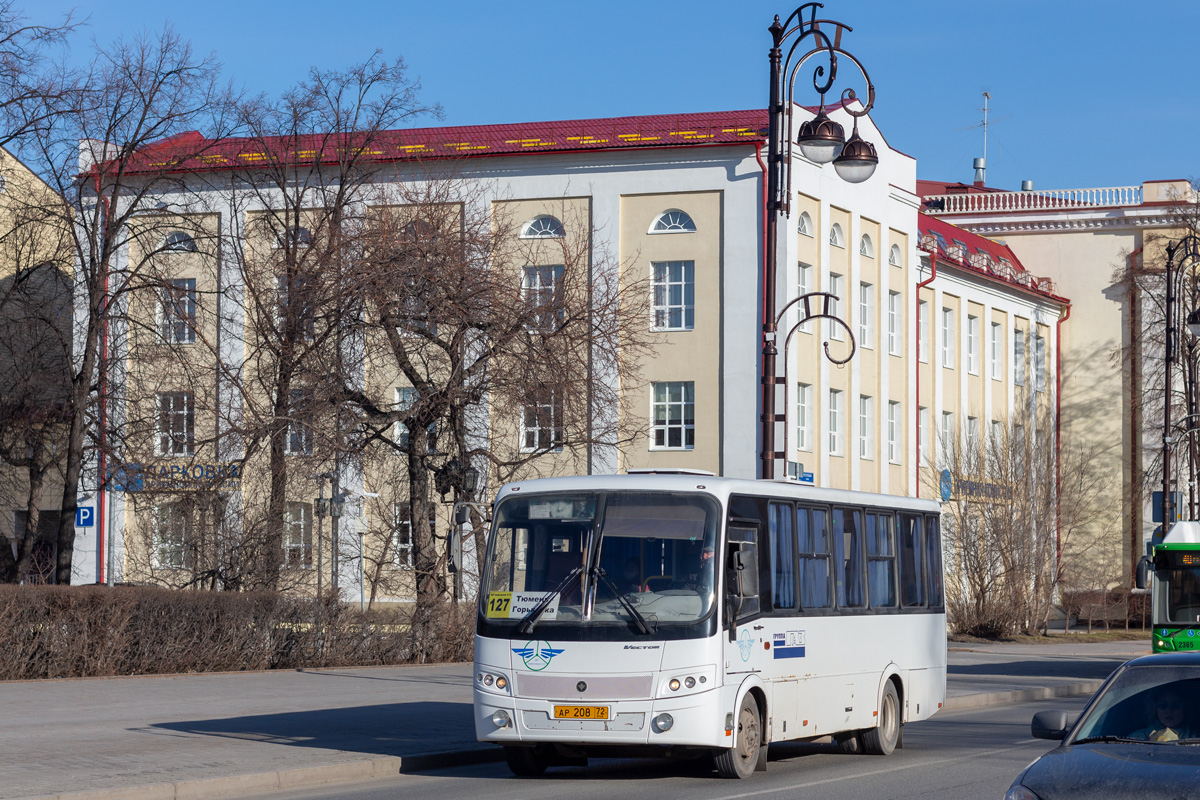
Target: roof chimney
(980, 171)
(1026, 186)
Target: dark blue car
(1139, 736)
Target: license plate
(581, 712)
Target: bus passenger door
(743, 635)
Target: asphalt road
(954, 756)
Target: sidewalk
(197, 736)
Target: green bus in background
(1172, 568)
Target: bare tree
(26, 83)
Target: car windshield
(1152, 703)
(602, 558)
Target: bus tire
(881, 740)
(525, 762)
(741, 760)
(849, 742)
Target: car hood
(1117, 769)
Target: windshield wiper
(529, 620)
(638, 619)
(1110, 738)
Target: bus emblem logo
(537, 655)
(745, 644)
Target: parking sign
(85, 516)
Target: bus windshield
(1178, 587)
(636, 559)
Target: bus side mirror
(454, 551)
(1142, 580)
(745, 565)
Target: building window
(542, 289)
(972, 344)
(866, 427)
(297, 536)
(836, 238)
(297, 292)
(1039, 363)
(176, 424)
(894, 317)
(972, 437)
(866, 315)
(948, 338)
(997, 430)
(804, 412)
(674, 295)
(299, 434)
(835, 422)
(406, 397)
(995, 346)
(924, 335)
(923, 433)
(895, 258)
(946, 436)
(173, 538)
(835, 307)
(804, 285)
(179, 242)
(542, 227)
(865, 248)
(294, 237)
(893, 434)
(402, 534)
(541, 423)
(1018, 357)
(177, 311)
(673, 221)
(804, 225)
(674, 416)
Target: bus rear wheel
(881, 740)
(741, 760)
(526, 762)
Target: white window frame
(1039, 363)
(995, 346)
(541, 290)
(972, 344)
(543, 226)
(946, 436)
(836, 414)
(804, 412)
(179, 242)
(177, 311)
(402, 534)
(405, 397)
(865, 247)
(895, 257)
(923, 433)
(895, 315)
(947, 337)
(804, 284)
(175, 428)
(541, 424)
(173, 532)
(298, 438)
(866, 315)
(893, 431)
(804, 224)
(673, 220)
(666, 276)
(925, 337)
(297, 535)
(836, 282)
(836, 237)
(866, 427)
(685, 404)
(972, 436)
(1018, 357)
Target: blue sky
(1084, 93)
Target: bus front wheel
(741, 760)
(881, 740)
(525, 762)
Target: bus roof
(1183, 532)
(717, 486)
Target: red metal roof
(979, 254)
(190, 151)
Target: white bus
(674, 613)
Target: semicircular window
(543, 226)
(894, 256)
(297, 237)
(179, 242)
(865, 248)
(835, 236)
(804, 224)
(673, 221)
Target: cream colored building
(674, 202)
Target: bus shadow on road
(389, 729)
(1052, 667)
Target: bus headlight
(662, 723)
(501, 719)
(501, 682)
(674, 684)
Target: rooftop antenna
(981, 163)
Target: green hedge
(69, 632)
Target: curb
(390, 766)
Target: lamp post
(822, 141)
(1187, 249)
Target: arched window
(835, 236)
(300, 237)
(805, 225)
(179, 242)
(673, 221)
(894, 256)
(543, 226)
(865, 248)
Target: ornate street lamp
(1187, 249)
(820, 140)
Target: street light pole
(822, 141)
(1189, 249)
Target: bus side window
(743, 539)
(912, 551)
(848, 557)
(881, 561)
(814, 558)
(783, 556)
(933, 561)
